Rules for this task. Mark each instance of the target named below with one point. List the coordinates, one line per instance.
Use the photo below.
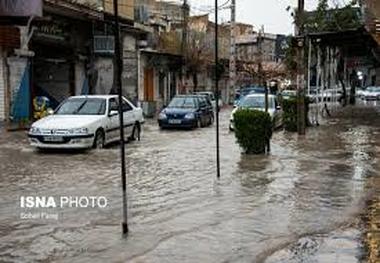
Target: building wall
(129, 76)
(104, 66)
(377, 79)
(126, 8)
(79, 77)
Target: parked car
(257, 102)
(371, 93)
(85, 122)
(210, 95)
(288, 94)
(186, 111)
(241, 93)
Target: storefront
(62, 48)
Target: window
(114, 105)
(183, 102)
(126, 106)
(202, 102)
(82, 106)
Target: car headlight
(79, 131)
(162, 116)
(190, 115)
(34, 130)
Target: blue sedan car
(186, 111)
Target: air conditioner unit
(104, 44)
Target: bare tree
(198, 55)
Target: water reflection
(298, 204)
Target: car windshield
(257, 102)
(82, 106)
(182, 102)
(250, 90)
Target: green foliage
(332, 20)
(253, 130)
(289, 107)
(290, 114)
(291, 55)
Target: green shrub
(290, 113)
(253, 130)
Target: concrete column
(80, 76)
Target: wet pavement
(313, 199)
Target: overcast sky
(270, 13)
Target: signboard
(55, 30)
(20, 8)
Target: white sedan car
(85, 122)
(257, 102)
(371, 93)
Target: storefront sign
(20, 8)
(54, 30)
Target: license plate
(175, 121)
(53, 139)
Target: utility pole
(262, 82)
(118, 71)
(299, 31)
(185, 10)
(217, 91)
(232, 51)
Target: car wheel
(99, 140)
(203, 123)
(199, 123)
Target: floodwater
(313, 199)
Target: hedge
(253, 130)
(289, 107)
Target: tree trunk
(195, 82)
(341, 75)
(344, 95)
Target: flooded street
(313, 199)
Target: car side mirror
(113, 113)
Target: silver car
(257, 102)
(371, 93)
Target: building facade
(67, 51)
(160, 59)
